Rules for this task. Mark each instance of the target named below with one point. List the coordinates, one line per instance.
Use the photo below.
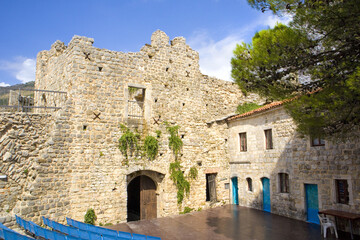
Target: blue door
(266, 194)
(312, 203)
(235, 192)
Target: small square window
(317, 142)
(342, 192)
(268, 139)
(243, 142)
(284, 182)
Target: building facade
(62, 163)
(277, 170)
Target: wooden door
(235, 192)
(148, 203)
(211, 187)
(312, 203)
(266, 194)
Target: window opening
(243, 142)
(268, 139)
(342, 192)
(317, 142)
(211, 187)
(136, 102)
(100, 69)
(249, 183)
(84, 127)
(284, 182)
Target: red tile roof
(258, 110)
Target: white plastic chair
(327, 223)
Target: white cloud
(215, 56)
(2, 84)
(23, 69)
(272, 20)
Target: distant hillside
(28, 85)
(4, 91)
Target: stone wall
(98, 83)
(295, 156)
(34, 163)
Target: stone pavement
(228, 222)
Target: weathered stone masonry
(293, 155)
(82, 163)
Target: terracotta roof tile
(258, 110)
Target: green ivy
(175, 142)
(151, 147)
(158, 133)
(182, 185)
(90, 216)
(133, 90)
(193, 173)
(187, 210)
(129, 141)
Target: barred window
(342, 192)
(284, 182)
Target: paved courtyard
(228, 222)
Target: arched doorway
(141, 202)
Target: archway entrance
(141, 203)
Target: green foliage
(193, 173)
(151, 147)
(187, 210)
(175, 142)
(319, 50)
(90, 216)
(128, 142)
(26, 171)
(108, 224)
(246, 107)
(182, 185)
(133, 90)
(101, 154)
(199, 209)
(158, 133)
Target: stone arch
(142, 191)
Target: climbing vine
(193, 173)
(129, 141)
(175, 142)
(151, 147)
(182, 185)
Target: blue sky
(211, 27)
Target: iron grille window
(243, 142)
(342, 192)
(284, 182)
(268, 139)
(136, 102)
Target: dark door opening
(141, 202)
(211, 187)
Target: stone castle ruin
(61, 163)
(64, 157)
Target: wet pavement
(228, 222)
